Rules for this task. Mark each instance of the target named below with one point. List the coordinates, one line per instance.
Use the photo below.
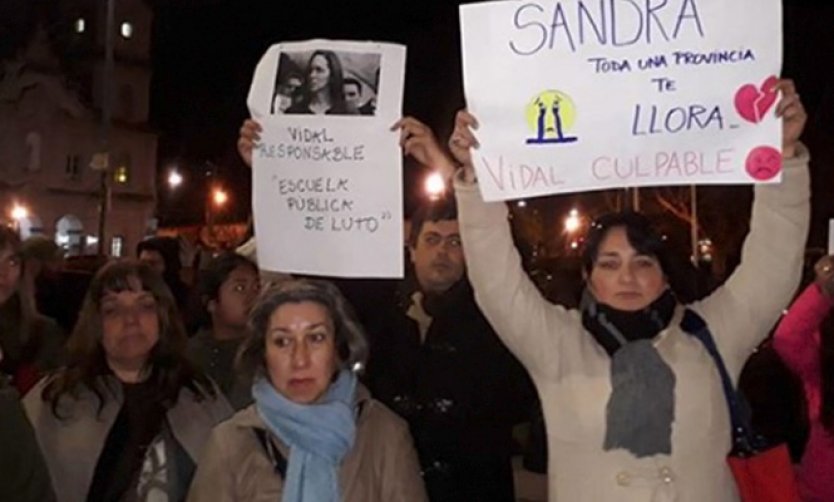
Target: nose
(300, 355)
(130, 316)
(626, 275)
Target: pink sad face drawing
(763, 163)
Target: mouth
(441, 265)
(300, 382)
(628, 295)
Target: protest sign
(327, 172)
(578, 95)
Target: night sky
(205, 52)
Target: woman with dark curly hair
(314, 433)
(127, 418)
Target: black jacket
(460, 390)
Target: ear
(411, 251)
(211, 306)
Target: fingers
(247, 141)
(250, 130)
(786, 86)
(463, 137)
(789, 106)
(464, 118)
(409, 128)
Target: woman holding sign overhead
(633, 402)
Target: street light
(19, 212)
(572, 222)
(220, 197)
(174, 179)
(435, 186)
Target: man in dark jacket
(436, 361)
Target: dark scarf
(641, 408)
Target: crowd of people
(231, 388)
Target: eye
(239, 288)
(645, 262)
(454, 241)
(109, 311)
(318, 337)
(148, 305)
(607, 264)
(432, 240)
(282, 341)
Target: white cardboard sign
(578, 95)
(327, 174)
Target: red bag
(763, 472)
(766, 476)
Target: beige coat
(571, 370)
(382, 466)
(72, 447)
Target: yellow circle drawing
(552, 109)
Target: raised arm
(742, 311)
(529, 325)
(796, 338)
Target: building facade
(55, 153)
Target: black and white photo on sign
(326, 82)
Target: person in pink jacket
(805, 341)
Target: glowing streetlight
(522, 203)
(573, 221)
(434, 186)
(19, 212)
(219, 196)
(174, 178)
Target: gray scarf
(641, 408)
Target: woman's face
(10, 269)
(130, 326)
(319, 73)
(301, 351)
(235, 298)
(621, 277)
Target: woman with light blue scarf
(314, 434)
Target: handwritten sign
(579, 95)
(327, 174)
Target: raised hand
(418, 141)
(248, 140)
(462, 140)
(793, 116)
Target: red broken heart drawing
(752, 103)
